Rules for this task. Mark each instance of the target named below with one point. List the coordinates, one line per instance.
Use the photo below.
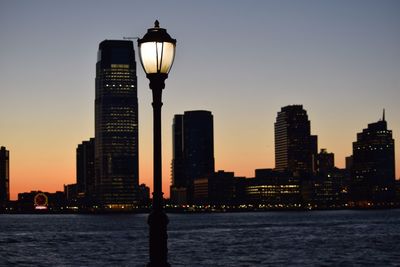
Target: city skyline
(339, 60)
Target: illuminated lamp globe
(157, 52)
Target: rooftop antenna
(130, 38)
(383, 116)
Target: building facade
(4, 177)
(116, 125)
(218, 188)
(177, 170)
(295, 147)
(193, 151)
(324, 162)
(38, 200)
(330, 188)
(85, 169)
(274, 189)
(373, 170)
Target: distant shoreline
(192, 211)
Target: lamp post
(157, 52)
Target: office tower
(294, 144)
(198, 143)
(144, 194)
(71, 195)
(217, 188)
(85, 168)
(325, 162)
(4, 176)
(373, 172)
(193, 151)
(349, 163)
(274, 188)
(178, 176)
(116, 125)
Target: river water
(309, 238)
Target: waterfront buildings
(144, 195)
(368, 180)
(116, 125)
(177, 164)
(373, 170)
(4, 177)
(193, 152)
(295, 147)
(38, 200)
(329, 184)
(71, 196)
(330, 188)
(85, 169)
(324, 161)
(270, 187)
(218, 188)
(349, 162)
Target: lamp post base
(158, 222)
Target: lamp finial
(156, 24)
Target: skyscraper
(85, 168)
(295, 147)
(4, 176)
(373, 170)
(193, 149)
(324, 162)
(178, 175)
(116, 125)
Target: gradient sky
(242, 60)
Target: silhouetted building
(330, 188)
(294, 144)
(193, 151)
(144, 194)
(178, 190)
(273, 189)
(216, 189)
(38, 200)
(349, 163)
(325, 161)
(116, 125)
(373, 173)
(178, 195)
(4, 177)
(85, 169)
(71, 195)
(397, 189)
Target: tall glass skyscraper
(373, 172)
(116, 125)
(198, 143)
(193, 150)
(295, 147)
(4, 176)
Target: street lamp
(157, 52)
